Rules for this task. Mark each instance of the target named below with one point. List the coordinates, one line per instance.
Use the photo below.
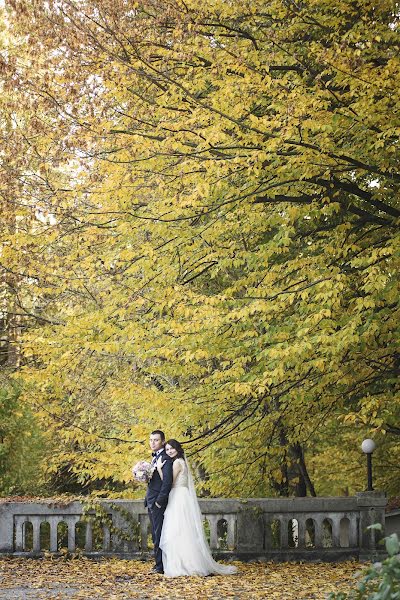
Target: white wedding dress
(183, 543)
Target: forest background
(199, 232)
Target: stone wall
(260, 528)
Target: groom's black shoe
(156, 571)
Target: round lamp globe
(368, 446)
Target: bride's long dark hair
(177, 446)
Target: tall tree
(223, 185)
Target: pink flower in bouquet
(143, 471)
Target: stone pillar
(372, 510)
(6, 529)
(144, 525)
(250, 531)
(128, 528)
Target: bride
(183, 543)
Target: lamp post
(368, 446)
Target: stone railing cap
(371, 498)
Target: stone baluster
(213, 521)
(267, 532)
(106, 539)
(301, 535)
(71, 522)
(344, 537)
(89, 536)
(54, 521)
(20, 532)
(284, 531)
(318, 530)
(335, 519)
(353, 531)
(231, 534)
(36, 521)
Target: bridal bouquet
(143, 471)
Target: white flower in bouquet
(143, 471)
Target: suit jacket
(158, 489)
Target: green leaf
(392, 544)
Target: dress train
(183, 543)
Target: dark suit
(158, 491)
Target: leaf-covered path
(111, 579)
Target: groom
(157, 493)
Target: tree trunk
(304, 478)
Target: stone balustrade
(266, 529)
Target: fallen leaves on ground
(114, 579)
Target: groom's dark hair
(160, 433)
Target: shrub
(381, 580)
